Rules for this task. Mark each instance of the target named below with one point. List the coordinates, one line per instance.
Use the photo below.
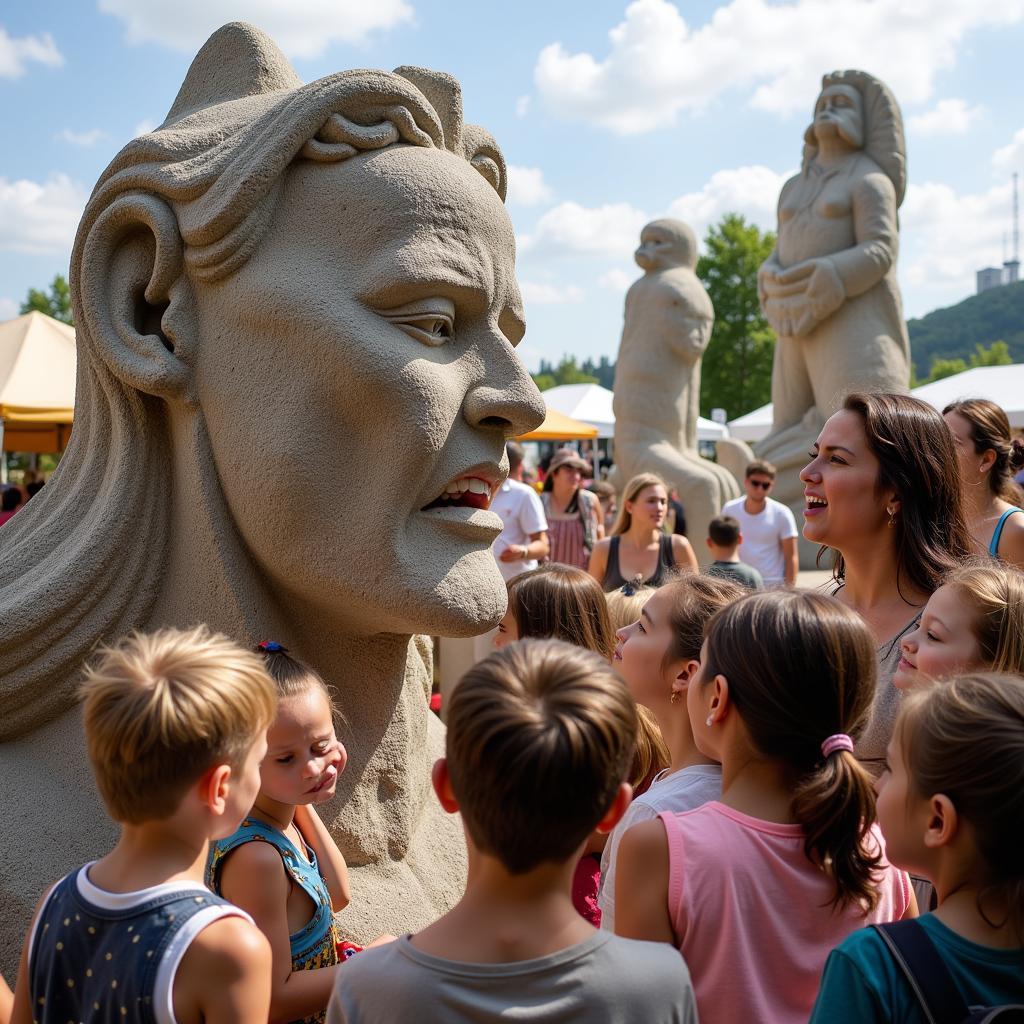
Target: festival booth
(559, 427)
(37, 384)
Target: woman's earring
(674, 699)
(892, 517)
(710, 720)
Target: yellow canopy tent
(559, 427)
(37, 383)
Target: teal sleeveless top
(315, 944)
(993, 547)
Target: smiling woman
(284, 290)
(882, 491)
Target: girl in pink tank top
(757, 888)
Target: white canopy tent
(1003, 385)
(591, 403)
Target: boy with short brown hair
(176, 729)
(540, 740)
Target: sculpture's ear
(136, 302)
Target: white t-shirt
(763, 535)
(684, 790)
(518, 505)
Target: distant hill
(951, 333)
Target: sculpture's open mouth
(464, 492)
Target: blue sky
(609, 114)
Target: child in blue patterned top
(281, 865)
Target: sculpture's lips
(468, 491)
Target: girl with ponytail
(755, 889)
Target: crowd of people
(686, 795)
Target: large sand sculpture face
(296, 314)
(373, 389)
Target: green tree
(55, 303)
(736, 373)
(566, 372)
(996, 354)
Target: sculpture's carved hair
(884, 140)
(193, 198)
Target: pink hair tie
(838, 742)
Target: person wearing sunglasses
(768, 527)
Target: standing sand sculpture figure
(668, 322)
(296, 312)
(829, 289)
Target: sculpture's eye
(434, 330)
(431, 321)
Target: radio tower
(1011, 267)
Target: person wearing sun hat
(573, 513)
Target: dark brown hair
(990, 429)
(800, 668)
(762, 468)
(540, 736)
(917, 460)
(964, 738)
(724, 531)
(293, 677)
(695, 599)
(564, 603)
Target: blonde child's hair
(964, 738)
(626, 604)
(995, 592)
(162, 708)
(651, 755)
(634, 486)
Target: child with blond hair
(533, 713)
(175, 725)
(974, 622)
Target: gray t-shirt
(603, 980)
(681, 791)
(741, 573)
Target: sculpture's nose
(505, 398)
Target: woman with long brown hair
(882, 491)
(988, 458)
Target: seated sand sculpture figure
(829, 289)
(668, 322)
(296, 312)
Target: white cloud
(527, 187)
(947, 117)
(89, 138)
(751, 191)
(8, 309)
(144, 127)
(538, 294)
(657, 65)
(946, 237)
(1010, 158)
(40, 218)
(522, 106)
(302, 28)
(15, 54)
(608, 230)
(616, 280)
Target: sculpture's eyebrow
(512, 325)
(429, 280)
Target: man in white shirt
(524, 539)
(768, 528)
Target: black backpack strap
(924, 970)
